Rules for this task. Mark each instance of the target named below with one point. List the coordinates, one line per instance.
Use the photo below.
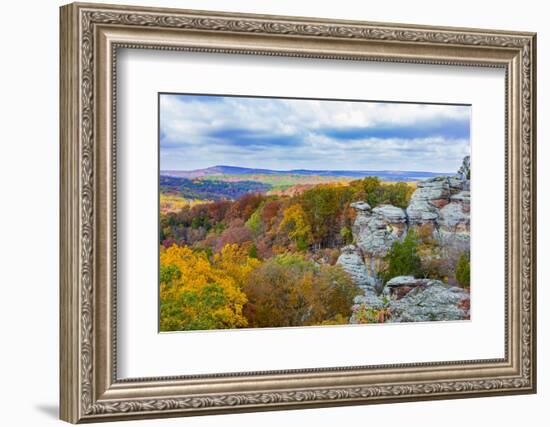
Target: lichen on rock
(442, 204)
(352, 262)
(375, 230)
(417, 300)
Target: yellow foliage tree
(295, 225)
(198, 294)
(234, 261)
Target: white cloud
(287, 134)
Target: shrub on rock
(462, 273)
(402, 259)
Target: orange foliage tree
(287, 290)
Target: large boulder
(361, 206)
(362, 217)
(455, 216)
(433, 195)
(352, 262)
(430, 196)
(369, 298)
(375, 230)
(419, 300)
(454, 222)
(456, 185)
(398, 286)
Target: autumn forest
(315, 212)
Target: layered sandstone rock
(351, 260)
(375, 230)
(443, 204)
(430, 197)
(455, 216)
(417, 300)
(353, 263)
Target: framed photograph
(266, 212)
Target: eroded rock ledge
(408, 299)
(440, 205)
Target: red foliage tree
(244, 207)
(218, 210)
(270, 211)
(237, 233)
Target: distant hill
(385, 175)
(195, 189)
(218, 170)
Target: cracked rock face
(430, 196)
(399, 282)
(352, 262)
(456, 215)
(370, 298)
(441, 202)
(454, 222)
(418, 300)
(375, 230)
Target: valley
(301, 247)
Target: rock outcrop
(454, 218)
(441, 203)
(417, 300)
(407, 299)
(352, 262)
(375, 230)
(430, 197)
(370, 298)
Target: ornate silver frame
(90, 36)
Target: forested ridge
(263, 260)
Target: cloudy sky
(201, 131)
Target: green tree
(346, 235)
(398, 194)
(373, 188)
(462, 273)
(208, 304)
(376, 192)
(169, 273)
(254, 223)
(371, 184)
(253, 251)
(200, 221)
(402, 259)
(324, 207)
